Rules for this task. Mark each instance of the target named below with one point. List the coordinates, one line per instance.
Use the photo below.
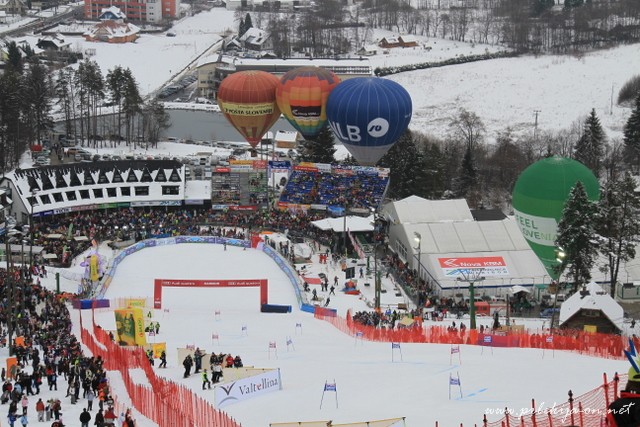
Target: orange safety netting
(166, 403)
(592, 344)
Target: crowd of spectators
(47, 354)
(58, 234)
(358, 190)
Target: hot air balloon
(539, 196)
(302, 97)
(248, 101)
(368, 114)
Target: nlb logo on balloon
(376, 128)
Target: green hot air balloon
(539, 196)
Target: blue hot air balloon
(368, 114)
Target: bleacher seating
(357, 187)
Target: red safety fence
(587, 410)
(593, 344)
(166, 403)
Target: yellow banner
(94, 275)
(592, 329)
(136, 302)
(125, 327)
(158, 348)
(140, 336)
(257, 109)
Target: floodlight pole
(34, 191)
(470, 276)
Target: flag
(244, 328)
(487, 338)
(272, 345)
(214, 336)
(454, 381)
(330, 387)
(359, 334)
(549, 338)
(455, 349)
(298, 325)
(289, 341)
(395, 345)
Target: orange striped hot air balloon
(248, 101)
(302, 97)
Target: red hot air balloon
(248, 101)
(302, 98)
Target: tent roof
(354, 223)
(414, 209)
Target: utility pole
(535, 125)
(471, 276)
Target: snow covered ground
(504, 93)
(370, 384)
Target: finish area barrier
(177, 283)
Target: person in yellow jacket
(205, 379)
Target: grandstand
(334, 187)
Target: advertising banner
(158, 348)
(130, 327)
(135, 302)
(94, 274)
(247, 388)
(160, 283)
(490, 265)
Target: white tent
(517, 288)
(353, 223)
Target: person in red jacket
(625, 411)
(229, 361)
(110, 416)
(40, 410)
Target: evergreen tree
(407, 167)
(116, 83)
(321, 149)
(14, 57)
(37, 100)
(632, 134)
(589, 149)
(241, 27)
(577, 236)
(434, 173)
(467, 180)
(618, 226)
(155, 119)
(568, 4)
(64, 94)
(131, 104)
(247, 22)
(12, 142)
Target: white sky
(370, 386)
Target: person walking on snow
(205, 379)
(187, 363)
(85, 417)
(163, 359)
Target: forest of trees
(538, 26)
(29, 94)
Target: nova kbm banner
(246, 388)
(490, 265)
